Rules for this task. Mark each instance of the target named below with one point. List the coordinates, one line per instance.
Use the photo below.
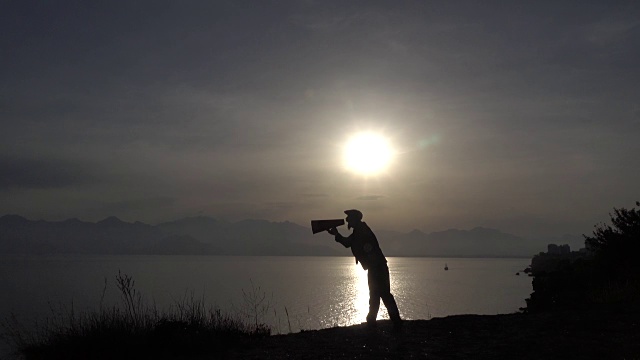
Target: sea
(292, 293)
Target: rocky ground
(605, 333)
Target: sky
(521, 116)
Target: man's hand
(333, 231)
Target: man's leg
(384, 284)
(392, 307)
(374, 297)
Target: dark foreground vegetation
(609, 273)
(601, 333)
(581, 308)
(135, 330)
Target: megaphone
(323, 225)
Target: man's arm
(345, 241)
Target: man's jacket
(364, 246)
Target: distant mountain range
(208, 236)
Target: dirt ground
(595, 334)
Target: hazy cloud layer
(369, 197)
(42, 174)
(521, 116)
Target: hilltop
(600, 333)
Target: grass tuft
(133, 329)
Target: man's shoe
(371, 324)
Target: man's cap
(356, 214)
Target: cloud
(137, 205)
(611, 30)
(370, 197)
(311, 195)
(171, 118)
(43, 174)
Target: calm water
(317, 292)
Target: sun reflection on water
(351, 294)
(360, 302)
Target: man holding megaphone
(364, 246)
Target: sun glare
(367, 154)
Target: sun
(367, 153)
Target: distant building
(555, 257)
(554, 249)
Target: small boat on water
(446, 267)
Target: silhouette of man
(365, 248)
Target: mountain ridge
(202, 235)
